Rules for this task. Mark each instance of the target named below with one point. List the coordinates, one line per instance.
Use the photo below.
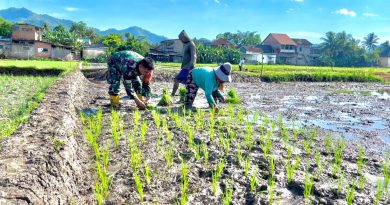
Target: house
(167, 51)
(385, 58)
(84, 41)
(5, 45)
(221, 42)
(251, 54)
(91, 51)
(269, 56)
(27, 42)
(304, 51)
(284, 47)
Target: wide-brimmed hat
(223, 72)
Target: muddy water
(357, 111)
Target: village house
(221, 42)
(256, 54)
(27, 42)
(167, 51)
(292, 51)
(93, 50)
(385, 58)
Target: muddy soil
(48, 160)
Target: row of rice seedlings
(139, 186)
(227, 196)
(216, 176)
(271, 190)
(168, 155)
(253, 180)
(185, 183)
(380, 191)
(116, 127)
(338, 156)
(328, 144)
(135, 153)
(291, 167)
(360, 161)
(308, 190)
(350, 194)
(267, 144)
(225, 142)
(144, 129)
(92, 127)
(248, 136)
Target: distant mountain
(23, 15)
(135, 31)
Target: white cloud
(300, 1)
(346, 12)
(305, 34)
(217, 1)
(71, 9)
(58, 15)
(370, 14)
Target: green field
(21, 93)
(285, 73)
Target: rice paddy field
(282, 143)
(22, 87)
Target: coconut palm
(370, 41)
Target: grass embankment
(23, 85)
(288, 73)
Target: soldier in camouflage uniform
(130, 65)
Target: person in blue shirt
(211, 80)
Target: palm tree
(370, 41)
(385, 45)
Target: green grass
(285, 73)
(63, 66)
(21, 94)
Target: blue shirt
(206, 79)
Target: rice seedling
(273, 125)
(240, 115)
(307, 146)
(198, 152)
(248, 141)
(205, 153)
(256, 117)
(271, 163)
(232, 97)
(147, 173)
(291, 168)
(182, 94)
(313, 135)
(227, 196)
(139, 186)
(318, 158)
(116, 127)
(136, 118)
(328, 144)
(156, 118)
(185, 183)
(190, 134)
(309, 183)
(144, 129)
(340, 183)
(267, 145)
(360, 161)
(212, 133)
(168, 156)
(239, 154)
(271, 190)
(350, 194)
(320, 170)
(166, 99)
(247, 165)
(253, 178)
(295, 134)
(214, 182)
(386, 174)
(102, 186)
(362, 182)
(379, 192)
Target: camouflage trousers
(192, 90)
(115, 75)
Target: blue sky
(206, 18)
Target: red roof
(302, 41)
(253, 49)
(283, 39)
(221, 42)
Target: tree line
(337, 49)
